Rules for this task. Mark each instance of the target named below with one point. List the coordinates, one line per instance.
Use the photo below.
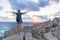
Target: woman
(19, 19)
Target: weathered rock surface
(10, 32)
(35, 39)
(18, 36)
(56, 20)
(28, 36)
(57, 34)
(48, 36)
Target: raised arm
(13, 12)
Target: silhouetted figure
(19, 19)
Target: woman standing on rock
(19, 19)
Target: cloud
(1, 8)
(37, 19)
(42, 17)
(27, 18)
(57, 14)
(3, 18)
(56, 0)
(50, 10)
(28, 4)
(24, 4)
(5, 4)
(43, 3)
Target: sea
(4, 26)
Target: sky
(40, 10)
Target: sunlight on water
(3, 28)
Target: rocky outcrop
(0, 38)
(9, 32)
(38, 30)
(27, 29)
(50, 25)
(18, 36)
(57, 34)
(56, 20)
(48, 36)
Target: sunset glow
(36, 19)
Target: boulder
(28, 36)
(56, 20)
(9, 32)
(18, 36)
(48, 36)
(0, 38)
(57, 34)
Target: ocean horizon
(4, 26)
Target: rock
(49, 23)
(58, 26)
(48, 36)
(35, 39)
(27, 28)
(9, 32)
(57, 34)
(28, 36)
(0, 38)
(56, 20)
(18, 36)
